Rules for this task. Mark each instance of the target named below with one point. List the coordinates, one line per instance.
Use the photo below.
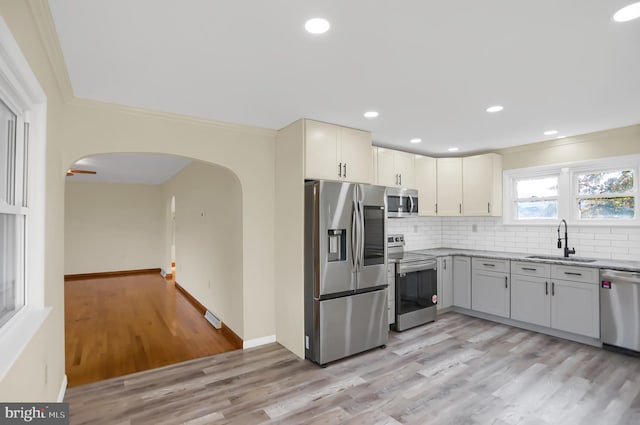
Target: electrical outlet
(474, 227)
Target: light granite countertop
(631, 266)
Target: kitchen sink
(559, 258)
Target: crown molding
(49, 38)
(629, 131)
(169, 116)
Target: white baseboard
(258, 341)
(63, 389)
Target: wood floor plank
(458, 370)
(125, 324)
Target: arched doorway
(117, 225)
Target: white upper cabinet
(482, 185)
(337, 153)
(426, 178)
(396, 168)
(449, 186)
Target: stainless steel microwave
(402, 202)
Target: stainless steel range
(416, 292)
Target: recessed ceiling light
(495, 108)
(317, 26)
(550, 132)
(416, 140)
(628, 13)
(371, 114)
(453, 149)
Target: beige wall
(113, 227)
(290, 237)
(91, 128)
(38, 373)
(208, 237)
(77, 129)
(616, 142)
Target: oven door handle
(409, 268)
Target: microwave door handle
(412, 204)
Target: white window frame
(631, 163)
(512, 202)
(21, 91)
(567, 190)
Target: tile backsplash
(488, 233)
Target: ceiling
(430, 68)
(129, 168)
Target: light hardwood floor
(119, 325)
(458, 370)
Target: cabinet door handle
(553, 288)
(506, 280)
(445, 264)
(488, 264)
(546, 288)
(344, 174)
(400, 179)
(573, 274)
(436, 208)
(488, 207)
(460, 208)
(397, 179)
(530, 269)
(340, 169)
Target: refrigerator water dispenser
(337, 245)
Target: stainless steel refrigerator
(345, 270)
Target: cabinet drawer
(526, 268)
(490, 265)
(575, 273)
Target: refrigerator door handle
(361, 233)
(355, 239)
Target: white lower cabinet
(530, 301)
(575, 307)
(538, 297)
(490, 290)
(445, 282)
(462, 282)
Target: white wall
(209, 238)
(113, 227)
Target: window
(605, 195)
(537, 198)
(13, 214)
(602, 192)
(22, 202)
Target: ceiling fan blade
(77, 171)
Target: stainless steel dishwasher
(620, 309)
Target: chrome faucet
(567, 251)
